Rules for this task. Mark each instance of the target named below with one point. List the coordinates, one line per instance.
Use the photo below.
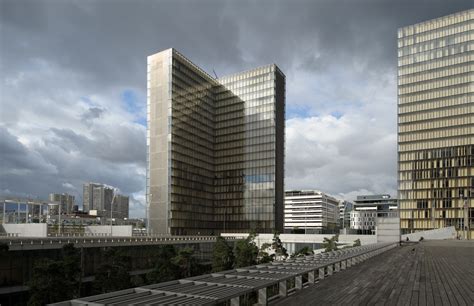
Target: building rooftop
(426, 273)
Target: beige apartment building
(436, 124)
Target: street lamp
(111, 210)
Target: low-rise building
(65, 202)
(310, 211)
(345, 208)
(367, 208)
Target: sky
(73, 85)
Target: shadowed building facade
(215, 148)
(436, 123)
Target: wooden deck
(426, 273)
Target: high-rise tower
(436, 123)
(215, 148)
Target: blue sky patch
(135, 105)
(337, 114)
(298, 111)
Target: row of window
(437, 83)
(425, 214)
(439, 153)
(435, 74)
(247, 74)
(436, 54)
(436, 64)
(437, 43)
(461, 174)
(453, 194)
(465, 109)
(443, 26)
(434, 134)
(428, 184)
(436, 94)
(435, 144)
(437, 163)
(438, 103)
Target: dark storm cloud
(65, 64)
(91, 114)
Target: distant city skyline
(73, 93)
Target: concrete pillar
(330, 270)
(321, 273)
(348, 262)
(311, 278)
(283, 288)
(299, 282)
(337, 266)
(262, 296)
(235, 301)
(343, 265)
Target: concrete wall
(436, 234)
(104, 230)
(388, 229)
(25, 229)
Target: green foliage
(56, 280)
(47, 283)
(72, 268)
(277, 246)
(186, 262)
(113, 275)
(330, 244)
(303, 252)
(222, 255)
(263, 256)
(356, 243)
(164, 269)
(246, 252)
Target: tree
(303, 252)
(164, 270)
(222, 255)
(47, 283)
(356, 243)
(113, 275)
(246, 252)
(186, 262)
(277, 246)
(263, 254)
(56, 280)
(330, 244)
(72, 269)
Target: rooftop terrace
(427, 273)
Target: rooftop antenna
(215, 73)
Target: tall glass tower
(215, 148)
(436, 123)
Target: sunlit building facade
(436, 123)
(215, 148)
(310, 211)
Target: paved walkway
(427, 273)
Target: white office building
(310, 211)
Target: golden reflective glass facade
(436, 123)
(215, 148)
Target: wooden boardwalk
(426, 273)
